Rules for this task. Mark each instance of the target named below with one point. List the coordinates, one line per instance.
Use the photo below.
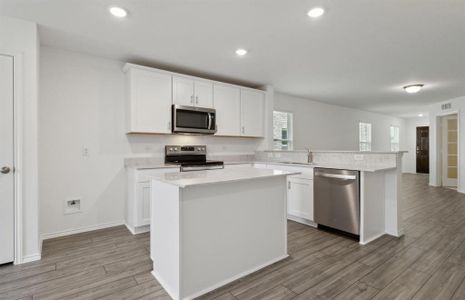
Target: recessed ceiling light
(413, 88)
(241, 52)
(420, 115)
(118, 12)
(316, 12)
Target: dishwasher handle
(337, 176)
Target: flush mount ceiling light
(420, 115)
(316, 12)
(413, 88)
(118, 12)
(241, 52)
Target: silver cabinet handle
(196, 99)
(192, 99)
(288, 185)
(169, 125)
(243, 129)
(336, 176)
(5, 170)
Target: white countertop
(186, 179)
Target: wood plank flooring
(427, 263)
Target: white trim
(46, 236)
(138, 229)
(364, 242)
(18, 157)
(217, 285)
(438, 164)
(31, 258)
(301, 220)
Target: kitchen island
(209, 228)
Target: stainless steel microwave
(191, 119)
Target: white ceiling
(359, 54)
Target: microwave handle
(209, 120)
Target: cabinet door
(203, 93)
(149, 101)
(183, 91)
(300, 198)
(227, 102)
(143, 205)
(252, 110)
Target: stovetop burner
(190, 158)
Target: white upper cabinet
(240, 111)
(183, 91)
(228, 109)
(252, 113)
(203, 91)
(149, 101)
(187, 91)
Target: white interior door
(6, 160)
(449, 151)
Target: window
(395, 145)
(364, 136)
(282, 130)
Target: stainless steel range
(190, 158)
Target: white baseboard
(137, 230)
(173, 294)
(30, 258)
(165, 285)
(46, 236)
(301, 220)
(371, 239)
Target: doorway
(7, 180)
(449, 150)
(422, 150)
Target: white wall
(82, 105)
(409, 160)
(435, 111)
(20, 37)
(320, 126)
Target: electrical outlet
(358, 157)
(85, 151)
(72, 206)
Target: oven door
(189, 119)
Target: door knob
(5, 170)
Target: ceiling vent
(446, 106)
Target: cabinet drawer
(145, 174)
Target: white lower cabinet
(300, 197)
(143, 207)
(139, 198)
(299, 192)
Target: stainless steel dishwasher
(337, 199)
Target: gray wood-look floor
(427, 263)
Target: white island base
(216, 227)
